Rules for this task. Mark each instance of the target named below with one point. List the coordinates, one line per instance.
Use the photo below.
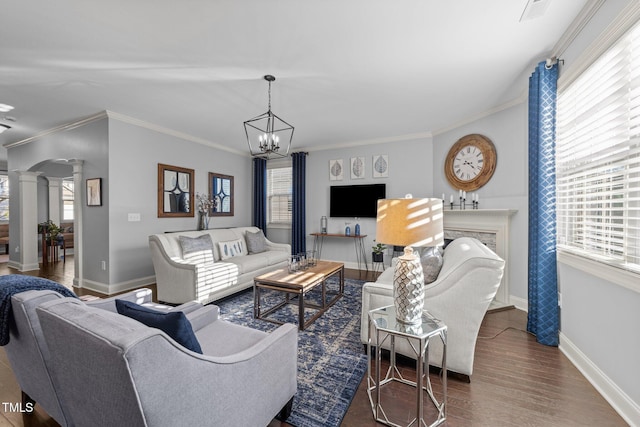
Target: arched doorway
(42, 189)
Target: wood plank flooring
(516, 381)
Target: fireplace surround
(491, 227)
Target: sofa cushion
(256, 242)
(231, 248)
(197, 249)
(175, 323)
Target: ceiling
(346, 72)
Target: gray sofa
(29, 354)
(87, 365)
(179, 280)
(111, 370)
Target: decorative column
(28, 233)
(78, 280)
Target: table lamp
(409, 222)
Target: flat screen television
(350, 201)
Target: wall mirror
(175, 191)
(221, 192)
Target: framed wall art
(94, 192)
(221, 192)
(357, 168)
(380, 166)
(336, 170)
(175, 191)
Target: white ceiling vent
(534, 9)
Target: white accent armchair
(469, 279)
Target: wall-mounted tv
(350, 201)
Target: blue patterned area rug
(331, 360)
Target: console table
(358, 241)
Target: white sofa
(460, 296)
(179, 280)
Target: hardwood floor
(516, 381)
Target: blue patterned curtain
(299, 214)
(543, 317)
(260, 194)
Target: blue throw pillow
(175, 323)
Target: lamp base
(408, 288)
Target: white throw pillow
(231, 248)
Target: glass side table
(384, 330)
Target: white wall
(89, 143)
(599, 319)
(134, 154)
(126, 156)
(507, 189)
(409, 172)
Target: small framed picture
(336, 172)
(381, 166)
(94, 192)
(357, 168)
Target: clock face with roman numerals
(468, 163)
(471, 162)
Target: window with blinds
(4, 197)
(279, 196)
(67, 199)
(598, 158)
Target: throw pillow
(256, 242)
(174, 323)
(431, 259)
(197, 249)
(231, 248)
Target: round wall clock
(471, 162)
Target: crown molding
(129, 120)
(510, 104)
(62, 128)
(161, 129)
(626, 19)
(576, 27)
(382, 140)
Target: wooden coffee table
(297, 285)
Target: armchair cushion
(175, 324)
(197, 249)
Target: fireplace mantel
(495, 222)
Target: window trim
(625, 278)
(278, 164)
(588, 263)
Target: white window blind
(598, 158)
(67, 199)
(4, 197)
(279, 195)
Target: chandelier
(267, 131)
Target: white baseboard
(22, 267)
(520, 303)
(623, 404)
(115, 288)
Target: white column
(55, 198)
(28, 243)
(78, 188)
